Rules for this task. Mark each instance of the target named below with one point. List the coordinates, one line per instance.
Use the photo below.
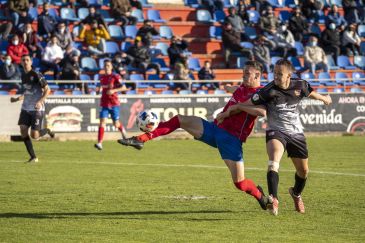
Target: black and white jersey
(33, 83)
(282, 104)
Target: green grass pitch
(175, 191)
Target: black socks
(29, 146)
(272, 183)
(299, 184)
(43, 132)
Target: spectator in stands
(351, 11)
(93, 15)
(71, 71)
(46, 22)
(331, 40)
(52, 56)
(334, 16)
(259, 4)
(140, 57)
(176, 50)
(242, 8)
(268, 21)
(63, 36)
(232, 43)
(298, 25)
(147, 31)
(123, 73)
(261, 51)
(121, 10)
(95, 38)
(30, 39)
(136, 4)
(311, 8)
(212, 5)
(16, 49)
(236, 22)
(351, 40)
(314, 56)
(207, 73)
(120, 60)
(10, 71)
(18, 9)
(285, 43)
(181, 72)
(5, 29)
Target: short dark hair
(26, 55)
(255, 64)
(107, 60)
(286, 63)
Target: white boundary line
(198, 166)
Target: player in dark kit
(109, 102)
(32, 113)
(227, 136)
(281, 98)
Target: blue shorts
(229, 146)
(114, 112)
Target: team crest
(297, 92)
(255, 97)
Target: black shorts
(294, 144)
(33, 119)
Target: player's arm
(45, 91)
(16, 99)
(325, 98)
(231, 89)
(241, 107)
(120, 89)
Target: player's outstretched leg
(301, 174)
(99, 145)
(46, 131)
(28, 144)
(163, 128)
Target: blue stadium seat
(358, 77)
(59, 92)
(3, 15)
(274, 59)
(276, 3)
(253, 16)
(101, 62)
(228, 3)
(166, 32)
(136, 77)
(85, 77)
(82, 13)
(131, 92)
(362, 48)
(336, 2)
(125, 45)
(146, 4)
(76, 92)
(76, 31)
(192, 3)
(116, 32)
(106, 15)
(341, 78)
(154, 15)
(138, 14)
(315, 29)
(111, 47)
(331, 63)
(131, 31)
(54, 13)
(167, 92)
(3, 46)
(322, 90)
(356, 90)
(203, 15)
(163, 66)
(215, 32)
(300, 48)
(4, 92)
(149, 92)
(359, 61)
(307, 76)
(296, 63)
(153, 77)
(194, 64)
(284, 15)
(202, 92)
(251, 32)
(89, 64)
(69, 14)
(162, 47)
(338, 90)
(247, 44)
(33, 13)
(219, 16)
(325, 76)
(290, 3)
(219, 91)
(344, 62)
(184, 92)
(241, 61)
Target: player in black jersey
(36, 90)
(281, 98)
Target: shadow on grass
(128, 215)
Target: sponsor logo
(324, 118)
(297, 92)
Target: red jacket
(16, 52)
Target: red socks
(163, 128)
(249, 187)
(100, 134)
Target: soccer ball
(147, 121)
